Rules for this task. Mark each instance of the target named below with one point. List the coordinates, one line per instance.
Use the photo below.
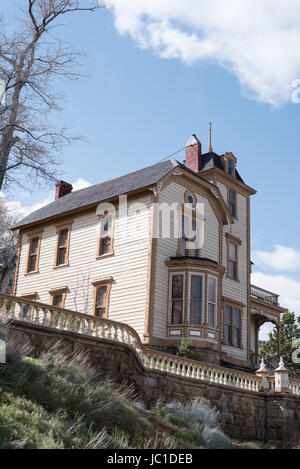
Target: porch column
(278, 340)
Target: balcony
(265, 295)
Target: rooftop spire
(210, 149)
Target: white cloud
(281, 258)
(80, 184)
(287, 287)
(257, 40)
(20, 211)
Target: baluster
(36, 313)
(82, 326)
(116, 334)
(20, 314)
(52, 320)
(12, 310)
(109, 332)
(151, 362)
(157, 365)
(68, 323)
(122, 334)
(89, 328)
(173, 370)
(102, 330)
(97, 329)
(45, 322)
(61, 321)
(128, 337)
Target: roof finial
(210, 149)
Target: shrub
(200, 418)
(215, 439)
(184, 348)
(197, 413)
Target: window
(28, 309)
(106, 236)
(232, 332)
(196, 291)
(232, 202)
(34, 245)
(212, 301)
(62, 246)
(232, 261)
(177, 299)
(230, 167)
(58, 296)
(189, 234)
(101, 297)
(228, 325)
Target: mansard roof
(104, 191)
(212, 160)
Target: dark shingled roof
(212, 160)
(121, 185)
(103, 191)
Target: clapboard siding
(237, 291)
(128, 267)
(167, 248)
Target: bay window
(212, 301)
(196, 297)
(177, 299)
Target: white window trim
(189, 297)
(216, 303)
(170, 297)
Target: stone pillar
(282, 382)
(264, 374)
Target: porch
(264, 306)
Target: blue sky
(139, 105)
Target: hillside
(59, 401)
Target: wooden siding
(237, 291)
(167, 248)
(128, 267)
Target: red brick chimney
(193, 154)
(62, 188)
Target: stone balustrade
(18, 309)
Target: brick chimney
(193, 154)
(62, 188)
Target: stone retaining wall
(249, 416)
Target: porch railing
(39, 314)
(265, 295)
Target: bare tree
(29, 60)
(8, 248)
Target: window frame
(230, 239)
(229, 203)
(100, 238)
(180, 240)
(210, 302)
(31, 236)
(229, 159)
(56, 292)
(107, 282)
(202, 275)
(176, 274)
(59, 229)
(233, 308)
(27, 309)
